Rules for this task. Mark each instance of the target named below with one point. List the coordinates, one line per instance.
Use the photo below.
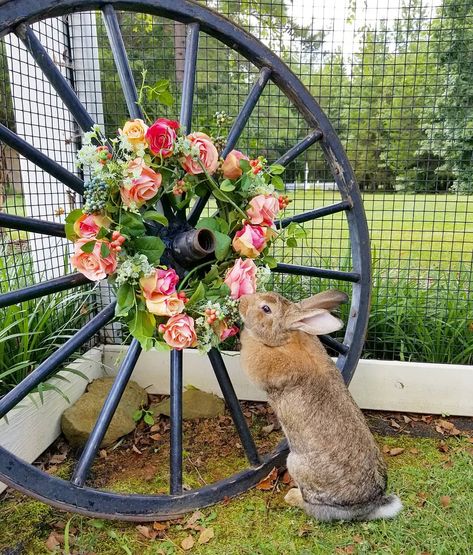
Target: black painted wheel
(74, 495)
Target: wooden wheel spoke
(316, 272)
(110, 405)
(45, 369)
(54, 76)
(176, 423)
(41, 289)
(234, 407)
(21, 223)
(41, 160)
(314, 214)
(300, 147)
(188, 83)
(328, 341)
(235, 132)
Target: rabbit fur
(333, 459)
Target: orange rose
(179, 332)
(135, 131)
(165, 305)
(144, 185)
(231, 165)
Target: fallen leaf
(406, 419)
(470, 440)
(446, 425)
(443, 447)
(455, 432)
(57, 459)
(136, 450)
(206, 535)
(394, 424)
(396, 451)
(160, 526)
(51, 469)
(422, 498)
(286, 478)
(147, 532)
(445, 500)
(304, 530)
(268, 482)
(103, 454)
(357, 539)
(267, 429)
(156, 437)
(346, 549)
(440, 430)
(414, 451)
(154, 428)
(187, 543)
(194, 518)
(386, 448)
(52, 542)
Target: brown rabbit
(334, 459)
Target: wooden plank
(380, 385)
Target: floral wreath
(128, 175)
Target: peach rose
(179, 332)
(207, 153)
(263, 210)
(144, 184)
(159, 283)
(250, 240)
(165, 305)
(241, 279)
(88, 225)
(231, 165)
(93, 265)
(135, 131)
(161, 137)
(225, 331)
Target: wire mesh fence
(395, 77)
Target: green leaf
(137, 415)
(104, 250)
(222, 244)
(197, 296)
(70, 233)
(154, 216)
(88, 247)
(227, 185)
(210, 276)
(276, 169)
(148, 418)
(219, 195)
(151, 247)
(208, 223)
(125, 299)
(103, 232)
(277, 182)
(223, 225)
(245, 165)
(142, 325)
(166, 98)
(270, 261)
(201, 189)
(291, 242)
(131, 224)
(74, 215)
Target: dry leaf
(346, 549)
(57, 459)
(147, 532)
(414, 451)
(286, 478)
(267, 429)
(446, 425)
(160, 526)
(422, 498)
(443, 447)
(206, 535)
(406, 419)
(394, 424)
(455, 432)
(194, 518)
(304, 530)
(52, 542)
(155, 437)
(187, 543)
(103, 454)
(154, 428)
(357, 539)
(445, 500)
(136, 450)
(470, 440)
(396, 451)
(268, 482)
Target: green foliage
(33, 330)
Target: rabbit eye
(266, 309)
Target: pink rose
(144, 184)
(93, 265)
(231, 165)
(179, 332)
(165, 305)
(241, 279)
(159, 283)
(250, 240)
(226, 332)
(207, 153)
(161, 137)
(263, 210)
(88, 225)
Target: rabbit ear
(314, 322)
(327, 300)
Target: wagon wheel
(75, 495)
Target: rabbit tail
(387, 506)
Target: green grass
(259, 523)
(420, 231)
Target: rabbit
(334, 460)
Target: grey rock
(79, 419)
(195, 404)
